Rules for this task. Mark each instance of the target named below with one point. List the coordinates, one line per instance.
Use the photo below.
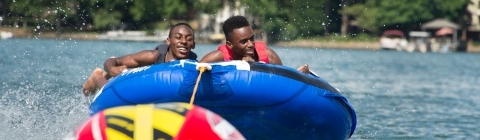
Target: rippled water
(396, 95)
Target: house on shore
(210, 26)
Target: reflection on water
(396, 95)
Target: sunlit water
(396, 95)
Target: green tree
(289, 19)
(46, 14)
(208, 6)
(148, 11)
(374, 15)
(107, 13)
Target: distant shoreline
(356, 45)
(330, 44)
(296, 43)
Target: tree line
(280, 19)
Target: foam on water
(32, 113)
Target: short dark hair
(180, 24)
(232, 23)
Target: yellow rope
(202, 69)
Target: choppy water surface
(396, 95)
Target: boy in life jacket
(178, 45)
(241, 45)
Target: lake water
(396, 95)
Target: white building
(210, 26)
(474, 9)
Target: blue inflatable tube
(262, 101)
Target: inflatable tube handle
(313, 73)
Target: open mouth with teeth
(182, 50)
(250, 51)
